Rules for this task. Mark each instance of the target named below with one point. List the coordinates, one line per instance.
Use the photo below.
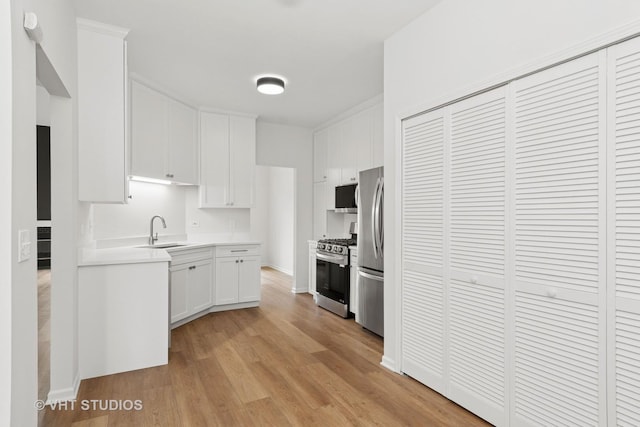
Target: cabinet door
(423, 281)
(377, 137)
(624, 234)
(348, 151)
(476, 294)
(559, 245)
(249, 279)
(242, 160)
(102, 164)
(179, 290)
(319, 210)
(362, 143)
(312, 268)
(226, 284)
(148, 132)
(214, 160)
(353, 285)
(200, 286)
(182, 160)
(320, 141)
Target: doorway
(273, 218)
(43, 208)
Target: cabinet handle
(474, 280)
(169, 175)
(237, 261)
(239, 250)
(552, 292)
(241, 260)
(193, 267)
(353, 179)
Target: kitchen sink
(163, 245)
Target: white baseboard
(65, 394)
(280, 269)
(389, 363)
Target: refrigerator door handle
(380, 217)
(374, 231)
(370, 276)
(376, 218)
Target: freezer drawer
(371, 300)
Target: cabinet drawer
(189, 256)
(240, 250)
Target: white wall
(453, 50)
(260, 212)
(281, 219)
(6, 260)
(292, 147)
(18, 105)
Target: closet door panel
(423, 315)
(624, 233)
(476, 293)
(559, 238)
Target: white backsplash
(128, 225)
(338, 224)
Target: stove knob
(328, 248)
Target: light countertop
(138, 254)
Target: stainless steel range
(333, 275)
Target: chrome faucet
(152, 239)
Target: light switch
(24, 245)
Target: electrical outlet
(24, 245)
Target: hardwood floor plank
(239, 374)
(287, 362)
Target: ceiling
(210, 52)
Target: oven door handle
(332, 259)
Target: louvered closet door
(624, 233)
(423, 290)
(476, 294)
(559, 246)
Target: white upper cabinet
(102, 113)
(164, 137)
(182, 158)
(320, 146)
(148, 132)
(377, 137)
(343, 149)
(227, 160)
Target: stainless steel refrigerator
(370, 280)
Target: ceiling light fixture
(270, 85)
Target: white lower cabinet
(237, 274)
(353, 283)
(191, 276)
(122, 318)
(312, 267)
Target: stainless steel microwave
(347, 198)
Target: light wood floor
(287, 362)
(44, 332)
